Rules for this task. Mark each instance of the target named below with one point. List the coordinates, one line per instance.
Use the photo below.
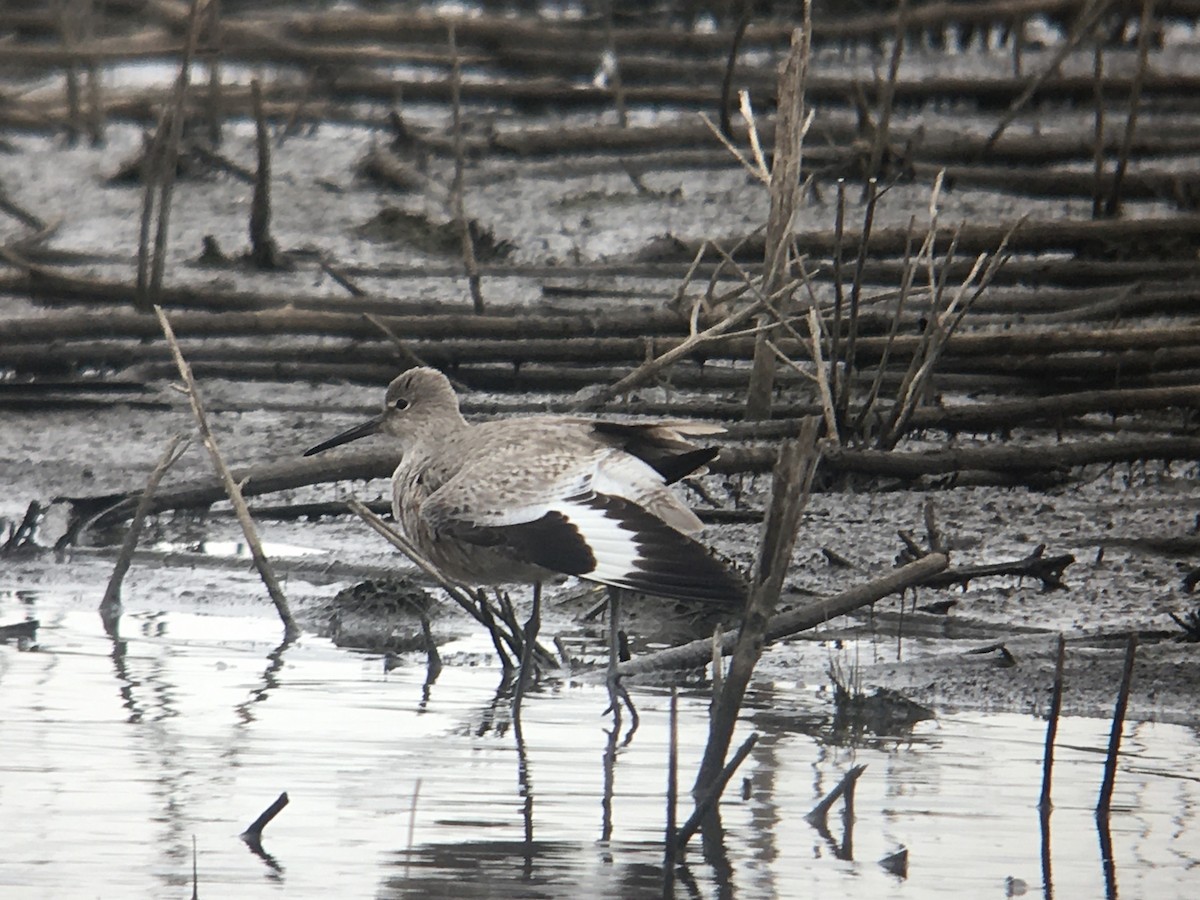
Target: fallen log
(200, 493)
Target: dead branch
(698, 653)
(110, 605)
(1047, 569)
(291, 630)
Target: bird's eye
(401, 404)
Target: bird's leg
(528, 642)
(616, 691)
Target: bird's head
(419, 404)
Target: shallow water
(119, 754)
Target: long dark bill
(367, 428)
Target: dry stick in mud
(1088, 16)
(794, 469)
(1047, 569)
(159, 172)
(456, 190)
(264, 252)
(735, 43)
(887, 95)
(482, 614)
(110, 605)
(793, 123)
(213, 106)
(649, 369)
(848, 364)
(944, 319)
(290, 629)
(1098, 147)
(610, 65)
(1112, 207)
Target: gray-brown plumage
(515, 500)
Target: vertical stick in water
(1118, 724)
(672, 797)
(1052, 726)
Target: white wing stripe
(614, 547)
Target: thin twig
(651, 368)
(707, 803)
(456, 189)
(1088, 16)
(110, 606)
(233, 491)
(1113, 206)
(167, 160)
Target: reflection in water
(252, 836)
(119, 748)
(270, 681)
(609, 765)
(1106, 855)
(524, 783)
(716, 854)
(1044, 828)
(479, 869)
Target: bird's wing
(574, 519)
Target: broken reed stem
(820, 813)
(792, 124)
(824, 389)
(869, 403)
(672, 796)
(1113, 206)
(110, 605)
(739, 32)
(483, 616)
(794, 468)
(69, 23)
(1118, 725)
(1087, 18)
(253, 834)
(232, 490)
(839, 299)
(166, 162)
(213, 106)
(263, 251)
(872, 196)
(887, 97)
(1044, 803)
(611, 66)
(942, 324)
(456, 187)
(708, 800)
(650, 368)
(1098, 129)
